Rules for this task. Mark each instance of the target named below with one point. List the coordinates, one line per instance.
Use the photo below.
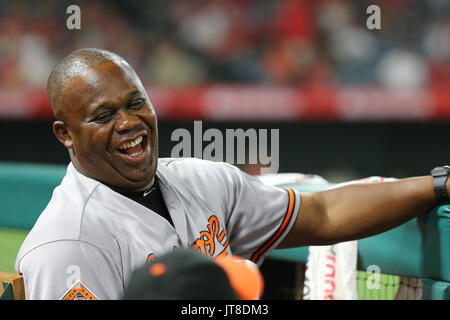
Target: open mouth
(135, 148)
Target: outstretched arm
(359, 210)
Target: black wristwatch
(440, 175)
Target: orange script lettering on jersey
(206, 243)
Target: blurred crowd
(281, 42)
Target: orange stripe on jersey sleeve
(284, 224)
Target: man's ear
(62, 133)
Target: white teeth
(131, 144)
(135, 154)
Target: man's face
(111, 127)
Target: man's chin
(133, 184)
(136, 179)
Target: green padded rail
(419, 248)
(25, 190)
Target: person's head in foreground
(187, 275)
(104, 118)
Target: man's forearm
(361, 210)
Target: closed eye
(136, 104)
(103, 117)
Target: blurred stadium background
(349, 102)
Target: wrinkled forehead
(88, 85)
(107, 74)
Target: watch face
(440, 171)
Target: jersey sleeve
(260, 215)
(70, 270)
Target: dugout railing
(419, 248)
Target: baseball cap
(185, 274)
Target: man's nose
(125, 121)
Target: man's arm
(357, 211)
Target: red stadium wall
(264, 103)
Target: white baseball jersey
(89, 239)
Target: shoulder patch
(78, 292)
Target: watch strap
(440, 189)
